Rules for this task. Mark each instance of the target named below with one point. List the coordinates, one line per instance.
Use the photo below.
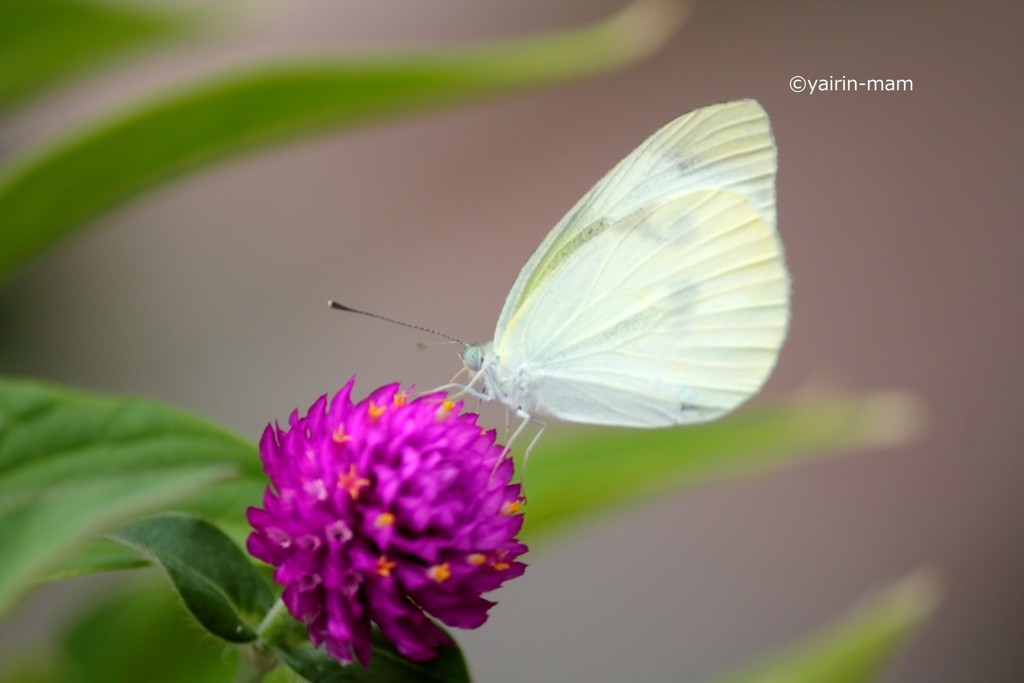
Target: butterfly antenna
(349, 309)
(422, 346)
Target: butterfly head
(475, 356)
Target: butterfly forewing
(721, 147)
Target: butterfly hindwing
(687, 333)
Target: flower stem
(259, 659)
(276, 625)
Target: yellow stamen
(512, 507)
(499, 564)
(340, 436)
(384, 519)
(401, 398)
(384, 566)
(375, 410)
(476, 559)
(440, 572)
(352, 482)
(447, 406)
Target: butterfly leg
(534, 440)
(484, 394)
(527, 419)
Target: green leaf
(47, 194)
(213, 576)
(386, 665)
(141, 634)
(96, 555)
(854, 649)
(32, 668)
(136, 633)
(51, 434)
(225, 505)
(45, 41)
(73, 465)
(598, 469)
(38, 530)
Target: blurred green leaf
(38, 530)
(855, 648)
(73, 464)
(96, 555)
(136, 633)
(44, 41)
(36, 667)
(47, 194)
(212, 575)
(600, 468)
(142, 634)
(224, 504)
(386, 665)
(51, 434)
(227, 505)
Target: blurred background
(901, 216)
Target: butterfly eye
(473, 358)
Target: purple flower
(382, 511)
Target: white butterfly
(662, 297)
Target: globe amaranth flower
(384, 511)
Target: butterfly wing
(720, 147)
(662, 298)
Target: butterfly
(662, 297)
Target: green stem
(258, 659)
(276, 625)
